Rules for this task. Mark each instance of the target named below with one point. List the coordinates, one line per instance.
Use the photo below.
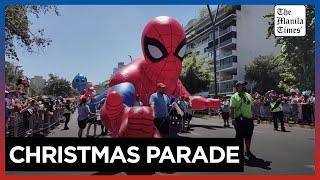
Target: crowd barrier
(37, 124)
(300, 113)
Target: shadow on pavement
(286, 131)
(282, 130)
(140, 173)
(105, 173)
(206, 126)
(260, 163)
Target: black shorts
(99, 122)
(92, 120)
(244, 128)
(162, 125)
(82, 124)
(225, 115)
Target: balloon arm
(127, 92)
(101, 97)
(201, 103)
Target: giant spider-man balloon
(164, 44)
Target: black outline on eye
(176, 52)
(77, 80)
(156, 43)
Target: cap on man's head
(161, 85)
(240, 83)
(83, 98)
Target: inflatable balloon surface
(163, 44)
(79, 82)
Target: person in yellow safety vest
(67, 114)
(277, 114)
(241, 105)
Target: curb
(286, 124)
(206, 117)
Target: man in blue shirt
(160, 102)
(93, 119)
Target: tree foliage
(12, 74)
(18, 32)
(196, 74)
(203, 12)
(56, 86)
(101, 86)
(263, 72)
(297, 55)
(34, 90)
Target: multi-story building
(120, 65)
(240, 37)
(38, 81)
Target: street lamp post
(130, 58)
(213, 23)
(15, 72)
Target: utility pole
(213, 23)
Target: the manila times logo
(290, 20)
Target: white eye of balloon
(154, 51)
(182, 51)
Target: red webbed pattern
(163, 43)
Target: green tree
(196, 74)
(264, 73)
(34, 90)
(203, 12)
(297, 55)
(12, 73)
(101, 86)
(56, 86)
(18, 31)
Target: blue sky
(92, 39)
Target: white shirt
(138, 103)
(225, 106)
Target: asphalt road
(291, 152)
(279, 153)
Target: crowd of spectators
(18, 101)
(297, 106)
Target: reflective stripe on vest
(278, 109)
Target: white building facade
(39, 81)
(240, 37)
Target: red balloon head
(164, 44)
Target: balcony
(227, 30)
(229, 13)
(228, 66)
(227, 63)
(228, 43)
(225, 78)
(226, 54)
(226, 87)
